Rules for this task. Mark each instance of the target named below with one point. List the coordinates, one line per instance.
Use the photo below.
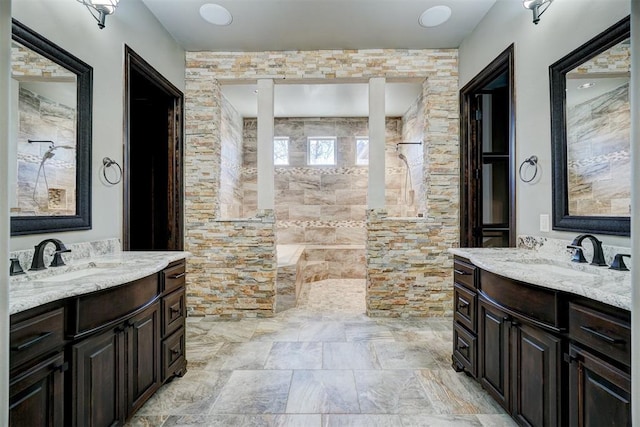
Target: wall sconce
(537, 7)
(99, 9)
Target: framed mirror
(50, 143)
(590, 132)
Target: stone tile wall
(204, 235)
(45, 186)
(408, 268)
(321, 204)
(231, 171)
(598, 151)
(234, 276)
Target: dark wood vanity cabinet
(549, 358)
(80, 363)
(465, 277)
(116, 371)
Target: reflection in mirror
(590, 131)
(598, 134)
(50, 143)
(43, 135)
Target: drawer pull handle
(63, 367)
(463, 347)
(175, 310)
(177, 276)
(30, 342)
(462, 304)
(461, 272)
(602, 336)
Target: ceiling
(323, 100)
(260, 25)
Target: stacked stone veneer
(204, 233)
(239, 265)
(407, 274)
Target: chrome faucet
(598, 255)
(38, 255)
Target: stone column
(375, 196)
(266, 185)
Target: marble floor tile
(349, 355)
(391, 392)
(283, 420)
(361, 420)
(452, 393)
(322, 331)
(367, 331)
(277, 330)
(254, 392)
(295, 355)
(404, 355)
(246, 355)
(323, 362)
(323, 392)
(194, 393)
(440, 421)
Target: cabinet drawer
(464, 348)
(464, 273)
(93, 311)
(173, 312)
(32, 337)
(173, 277)
(173, 354)
(465, 307)
(601, 332)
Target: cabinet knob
(62, 367)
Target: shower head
(402, 157)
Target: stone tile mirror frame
(565, 215)
(81, 219)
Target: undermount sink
(91, 269)
(550, 268)
(69, 276)
(562, 268)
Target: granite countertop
(85, 275)
(530, 266)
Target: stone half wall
(409, 271)
(233, 272)
(205, 71)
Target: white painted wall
(566, 25)
(69, 24)
(5, 87)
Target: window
(322, 151)
(362, 151)
(281, 150)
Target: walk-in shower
(50, 153)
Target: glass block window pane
(362, 151)
(281, 151)
(322, 151)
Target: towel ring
(530, 161)
(107, 163)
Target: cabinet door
(143, 356)
(599, 393)
(98, 385)
(493, 352)
(536, 377)
(36, 397)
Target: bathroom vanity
(550, 341)
(90, 345)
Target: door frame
(135, 63)
(470, 155)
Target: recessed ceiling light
(215, 14)
(435, 16)
(586, 85)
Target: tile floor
(324, 363)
